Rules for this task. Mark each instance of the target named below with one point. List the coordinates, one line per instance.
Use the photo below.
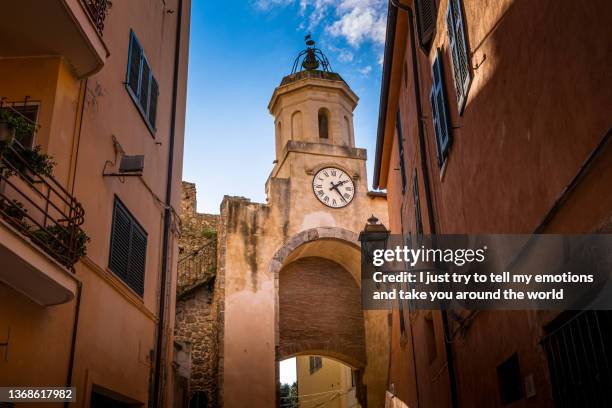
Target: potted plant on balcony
(13, 212)
(28, 162)
(66, 243)
(11, 124)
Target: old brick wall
(197, 303)
(320, 311)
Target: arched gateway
(289, 270)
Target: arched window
(279, 130)
(347, 130)
(296, 125)
(323, 123)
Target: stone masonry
(196, 308)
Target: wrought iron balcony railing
(98, 9)
(198, 266)
(36, 205)
(194, 263)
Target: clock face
(333, 187)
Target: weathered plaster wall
(535, 111)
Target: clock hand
(339, 193)
(333, 186)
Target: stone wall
(196, 304)
(198, 242)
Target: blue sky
(239, 52)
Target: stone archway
(318, 298)
(320, 312)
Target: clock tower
(289, 269)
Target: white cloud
(268, 4)
(356, 21)
(359, 24)
(365, 70)
(344, 54)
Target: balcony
(70, 28)
(40, 234)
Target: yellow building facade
(325, 382)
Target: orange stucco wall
(78, 120)
(536, 109)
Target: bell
(310, 63)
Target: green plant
(14, 212)
(208, 233)
(13, 209)
(40, 163)
(58, 238)
(17, 122)
(24, 159)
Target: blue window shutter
(459, 52)
(153, 101)
(436, 120)
(426, 20)
(134, 64)
(145, 83)
(439, 109)
(450, 24)
(462, 51)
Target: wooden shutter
(138, 256)
(459, 52)
(439, 110)
(134, 60)
(120, 241)
(426, 20)
(145, 82)
(128, 249)
(153, 102)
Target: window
(296, 125)
(28, 111)
(323, 124)
(441, 121)
(578, 349)
(509, 379)
(141, 84)
(316, 363)
(459, 53)
(426, 21)
(400, 148)
(417, 204)
(128, 248)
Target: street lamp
(374, 236)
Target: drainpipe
(452, 376)
(157, 392)
(75, 325)
(72, 181)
